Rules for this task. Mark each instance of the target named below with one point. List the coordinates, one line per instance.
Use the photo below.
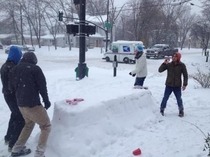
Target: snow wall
(97, 126)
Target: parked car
(31, 49)
(23, 48)
(160, 51)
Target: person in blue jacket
(16, 121)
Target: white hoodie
(141, 67)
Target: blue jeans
(177, 92)
(139, 81)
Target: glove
(130, 73)
(47, 105)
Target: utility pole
(107, 22)
(82, 68)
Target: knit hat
(178, 55)
(139, 48)
(15, 54)
(29, 57)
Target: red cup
(137, 151)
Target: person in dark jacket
(16, 121)
(29, 82)
(175, 70)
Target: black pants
(16, 122)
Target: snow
(50, 36)
(96, 19)
(114, 119)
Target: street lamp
(81, 70)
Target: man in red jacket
(175, 70)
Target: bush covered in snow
(202, 78)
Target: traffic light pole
(82, 68)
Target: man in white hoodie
(140, 70)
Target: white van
(124, 50)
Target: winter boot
(162, 112)
(181, 113)
(22, 152)
(39, 154)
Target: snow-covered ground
(114, 119)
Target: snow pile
(81, 125)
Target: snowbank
(81, 125)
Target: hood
(178, 55)
(15, 54)
(29, 57)
(139, 48)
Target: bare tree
(96, 7)
(50, 17)
(102, 8)
(200, 31)
(185, 22)
(201, 28)
(144, 21)
(13, 18)
(113, 17)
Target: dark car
(160, 51)
(23, 48)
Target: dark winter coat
(29, 82)
(174, 74)
(13, 58)
(5, 70)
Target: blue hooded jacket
(15, 54)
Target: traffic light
(72, 29)
(90, 30)
(60, 16)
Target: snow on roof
(161, 45)
(50, 36)
(97, 35)
(96, 19)
(29, 36)
(2, 36)
(127, 42)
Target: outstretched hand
(183, 87)
(130, 73)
